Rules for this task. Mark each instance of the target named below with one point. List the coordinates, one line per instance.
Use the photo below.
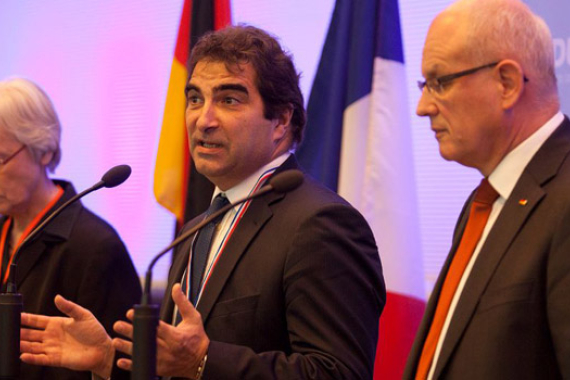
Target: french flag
(358, 142)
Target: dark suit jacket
(297, 292)
(513, 318)
(81, 257)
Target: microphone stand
(145, 321)
(11, 306)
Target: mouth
(209, 145)
(438, 132)
(205, 146)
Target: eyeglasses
(4, 161)
(436, 85)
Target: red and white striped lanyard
(235, 221)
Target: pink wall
(106, 64)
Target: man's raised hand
(79, 342)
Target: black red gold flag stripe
(177, 185)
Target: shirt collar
(507, 173)
(243, 189)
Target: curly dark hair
(276, 77)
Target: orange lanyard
(29, 228)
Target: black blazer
(81, 257)
(296, 294)
(513, 318)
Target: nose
(205, 117)
(426, 105)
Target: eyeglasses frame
(4, 161)
(443, 80)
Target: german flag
(177, 185)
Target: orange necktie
(478, 215)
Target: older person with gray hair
(78, 255)
(499, 309)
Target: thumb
(185, 308)
(72, 309)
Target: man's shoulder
(313, 201)
(314, 192)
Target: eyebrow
(190, 87)
(431, 73)
(222, 87)
(434, 71)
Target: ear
(512, 83)
(46, 158)
(282, 124)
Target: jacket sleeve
(558, 288)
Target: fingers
(124, 328)
(126, 364)
(31, 348)
(123, 345)
(33, 320)
(35, 359)
(71, 309)
(185, 308)
(163, 330)
(31, 335)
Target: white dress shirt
(503, 179)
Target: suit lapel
(27, 260)
(253, 220)
(506, 228)
(542, 168)
(258, 213)
(57, 231)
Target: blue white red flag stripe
(358, 142)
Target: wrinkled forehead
(241, 68)
(445, 45)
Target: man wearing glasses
(500, 308)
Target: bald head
(490, 82)
(493, 30)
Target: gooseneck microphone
(145, 321)
(112, 178)
(11, 303)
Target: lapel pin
(523, 202)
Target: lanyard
(29, 228)
(235, 221)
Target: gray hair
(507, 29)
(27, 114)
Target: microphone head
(116, 175)
(286, 181)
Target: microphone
(112, 178)
(145, 321)
(11, 303)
